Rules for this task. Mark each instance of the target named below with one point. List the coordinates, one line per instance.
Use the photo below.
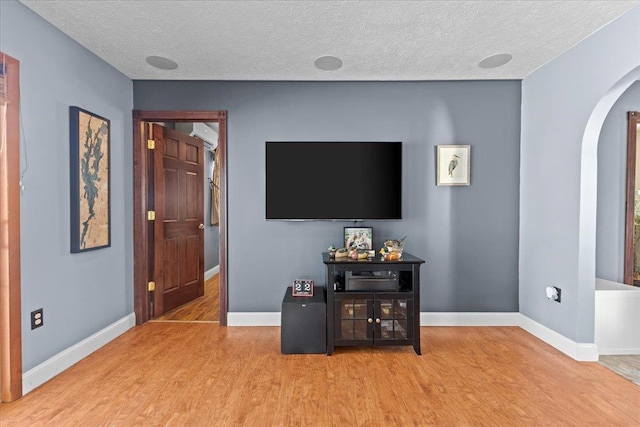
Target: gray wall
(557, 220)
(468, 235)
(80, 293)
(612, 165)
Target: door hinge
(151, 286)
(151, 215)
(151, 144)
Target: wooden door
(178, 230)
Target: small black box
(303, 323)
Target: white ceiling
(280, 40)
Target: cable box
(372, 281)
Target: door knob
(370, 320)
(377, 320)
(201, 226)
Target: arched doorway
(588, 194)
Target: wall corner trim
(66, 358)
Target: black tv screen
(334, 180)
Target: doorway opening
(144, 286)
(204, 308)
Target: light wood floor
(626, 365)
(201, 374)
(203, 309)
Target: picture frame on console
(453, 165)
(360, 237)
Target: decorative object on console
(332, 251)
(358, 237)
(358, 254)
(453, 165)
(341, 253)
(392, 249)
(90, 181)
(302, 288)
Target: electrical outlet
(559, 291)
(37, 319)
(554, 293)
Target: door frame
(633, 119)
(142, 168)
(10, 267)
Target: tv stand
(380, 312)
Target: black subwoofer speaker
(303, 323)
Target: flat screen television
(348, 181)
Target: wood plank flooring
(626, 365)
(203, 309)
(201, 374)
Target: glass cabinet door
(394, 318)
(355, 318)
(373, 318)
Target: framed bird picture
(453, 165)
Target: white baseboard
(579, 351)
(582, 352)
(211, 272)
(469, 319)
(253, 319)
(426, 319)
(617, 318)
(617, 351)
(586, 352)
(66, 358)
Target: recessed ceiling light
(161, 63)
(328, 63)
(494, 61)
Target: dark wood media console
(373, 302)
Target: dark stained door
(179, 222)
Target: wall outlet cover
(37, 318)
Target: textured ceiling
(280, 40)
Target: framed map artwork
(90, 181)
